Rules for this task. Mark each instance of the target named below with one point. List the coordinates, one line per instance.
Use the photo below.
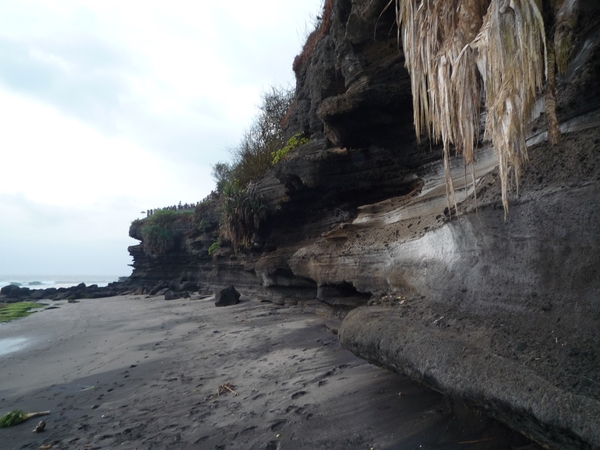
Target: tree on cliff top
(252, 157)
(462, 54)
(243, 211)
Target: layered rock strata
(503, 314)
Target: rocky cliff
(504, 314)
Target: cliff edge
(503, 314)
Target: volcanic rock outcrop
(504, 314)
(13, 293)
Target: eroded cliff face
(503, 314)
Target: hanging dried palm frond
(456, 52)
(566, 13)
(560, 47)
(445, 84)
(511, 47)
(551, 119)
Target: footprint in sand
(298, 394)
(272, 445)
(278, 425)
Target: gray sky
(108, 108)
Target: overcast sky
(108, 108)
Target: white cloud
(64, 162)
(112, 107)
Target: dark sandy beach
(143, 373)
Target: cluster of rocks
(171, 290)
(12, 293)
(185, 289)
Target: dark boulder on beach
(38, 294)
(61, 296)
(227, 297)
(188, 286)
(158, 287)
(171, 295)
(24, 292)
(139, 291)
(10, 290)
(15, 292)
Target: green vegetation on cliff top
(262, 146)
(253, 156)
(159, 231)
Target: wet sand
(143, 373)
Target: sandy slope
(131, 372)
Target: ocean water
(56, 281)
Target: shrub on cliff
(159, 231)
(253, 155)
(293, 143)
(243, 214)
(262, 146)
(214, 247)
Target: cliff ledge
(503, 314)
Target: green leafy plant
(214, 247)
(12, 311)
(16, 416)
(244, 213)
(252, 157)
(263, 144)
(293, 143)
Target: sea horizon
(38, 281)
